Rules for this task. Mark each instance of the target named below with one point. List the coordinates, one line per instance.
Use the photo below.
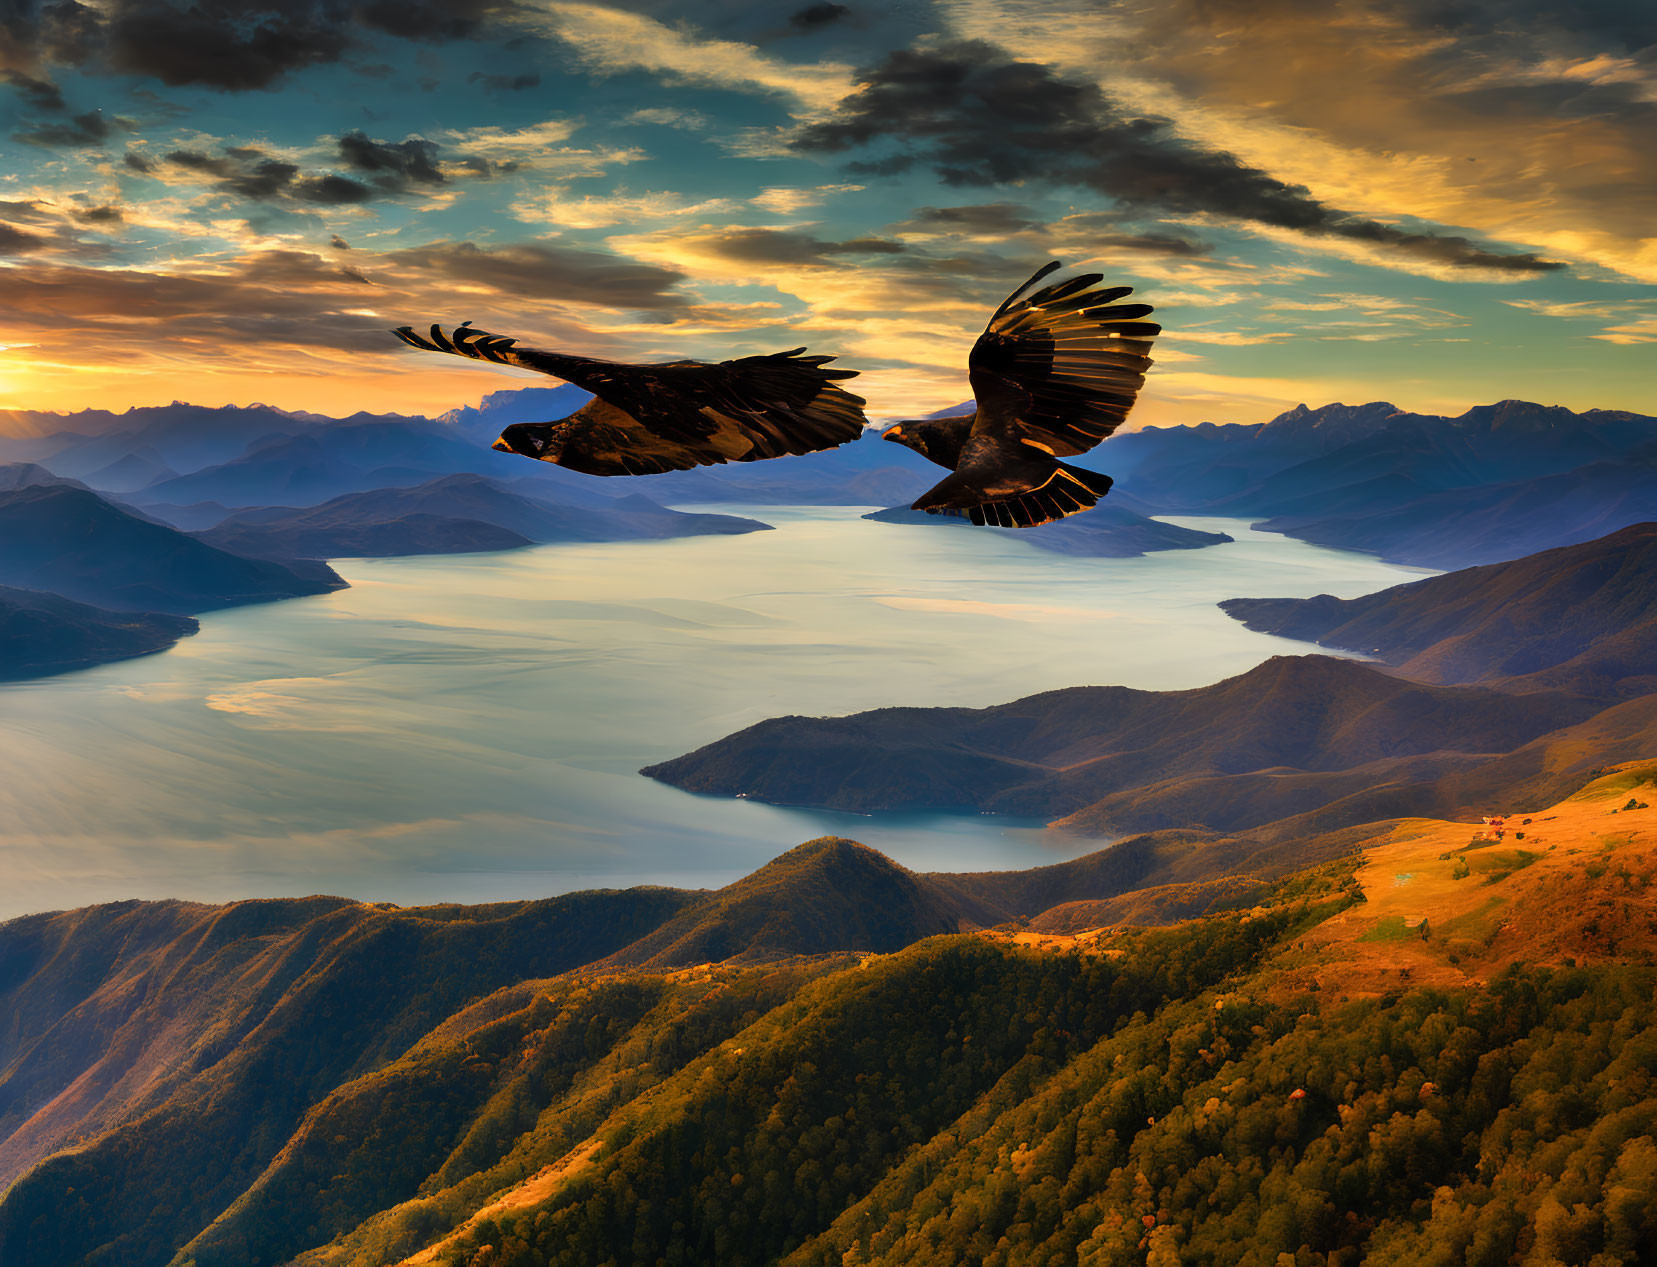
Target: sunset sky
(1437, 204)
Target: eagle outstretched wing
(782, 403)
(1062, 366)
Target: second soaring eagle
(1054, 373)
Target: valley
(1330, 958)
(739, 1037)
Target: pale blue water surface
(469, 727)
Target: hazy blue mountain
(325, 462)
(451, 515)
(1374, 477)
(192, 518)
(180, 436)
(70, 541)
(1108, 531)
(134, 471)
(46, 633)
(1493, 523)
(1320, 453)
(1581, 617)
(1494, 483)
(1190, 467)
(16, 475)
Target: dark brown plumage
(1054, 373)
(644, 419)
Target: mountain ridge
(43, 634)
(1053, 753)
(1577, 617)
(455, 513)
(70, 541)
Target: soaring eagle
(1054, 373)
(644, 419)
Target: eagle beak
(501, 445)
(893, 433)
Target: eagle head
(899, 436)
(921, 435)
(532, 440)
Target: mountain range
(70, 541)
(456, 513)
(1492, 484)
(42, 634)
(1550, 642)
(1057, 753)
(1310, 1010)
(97, 514)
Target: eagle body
(645, 419)
(1054, 373)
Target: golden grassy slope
(1446, 903)
(1453, 903)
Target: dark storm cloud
(396, 167)
(54, 31)
(25, 209)
(243, 171)
(413, 161)
(815, 17)
(233, 45)
(1626, 27)
(297, 298)
(248, 172)
(387, 168)
(979, 119)
(136, 162)
(99, 215)
(40, 94)
(987, 218)
(333, 190)
(484, 168)
(538, 270)
(295, 270)
(284, 301)
(785, 246)
(89, 129)
(1102, 230)
(50, 232)
(15, 241)
(1157, 243)
(1555, 99)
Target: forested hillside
(1436, 1046)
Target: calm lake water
(469, 727)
